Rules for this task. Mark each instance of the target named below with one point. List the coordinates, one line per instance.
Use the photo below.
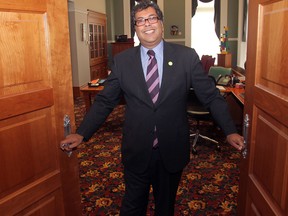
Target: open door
(35, 94)
(264, 173)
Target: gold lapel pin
(170, 63)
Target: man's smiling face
(149, 35)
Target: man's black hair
(142, 5)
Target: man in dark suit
(155, 146)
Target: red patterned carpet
(209, 184)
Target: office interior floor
(209, 184)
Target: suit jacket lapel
(168, 71)
(139, 77)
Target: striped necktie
(152, 80)
(152, 77)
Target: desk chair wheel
(194, 151)
(218, 148)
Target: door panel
(34, 151)
(270, 161)
(35, 94)
(16, 104)
(44, 207)
(264, 175)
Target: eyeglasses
(142, 21)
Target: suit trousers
(137, 187)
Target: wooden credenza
(98, 68)
(120, 46)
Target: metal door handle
(67, 131)
(245, 135)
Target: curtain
(217, 13)
(245, 10)
(194, 6)
(132, 3)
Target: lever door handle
(245, 135)
(67, 131)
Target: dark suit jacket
(182, 70)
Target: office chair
(221, 75)
(199, 113)
(207, 61)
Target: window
(203, 37)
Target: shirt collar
(158, 50)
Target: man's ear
(162, 26)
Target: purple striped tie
(152, 77)
(152, 80)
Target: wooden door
(98, 45)
(264, 174)
(35, 94)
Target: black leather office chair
(199, 113)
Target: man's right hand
(71, 141)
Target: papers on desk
(96, 82)
(221, 88)
(241, 78)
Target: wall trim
(126, 8)
(78, 11)
(188, 17)
(175, 40)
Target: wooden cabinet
(98, 70)
(120, 46)
(97, 45)
(225, 60)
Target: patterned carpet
(209, 184)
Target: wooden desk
(239, 93)
(89, 93)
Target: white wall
(80, 49)
(242, 46)
(98, 5)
